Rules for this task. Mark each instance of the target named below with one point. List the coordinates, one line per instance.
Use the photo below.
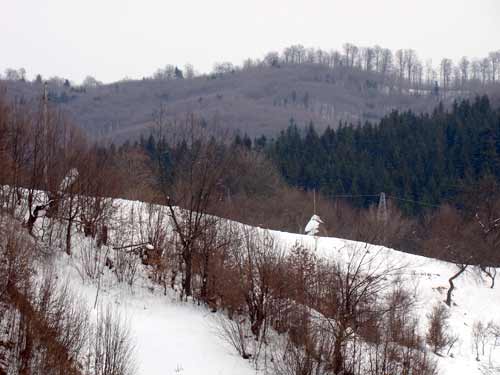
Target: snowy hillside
(473, 300)
(185, 337)
(174, 337)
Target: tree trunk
(257, 324)
(188, 263)
(33, 217)
(492, 273)
(337, 357)
(172, 279)
(204, 282)
(68, 235)
(27, 352)
(452, 286)
(30, 223)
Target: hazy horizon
(116, 39)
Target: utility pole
(382, 208)
(45, 133)
(314, 201)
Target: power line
(354, 196)
(387, 196)
(413, 201)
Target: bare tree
(410, 58)
(430, 74)
(482, 210)
(377, 57)
(386, 63)
(451, 236)
(464, 65)
(194, 192)
(485, 68)
(272, 59)
(480, 333)
(417, 75)
(353, 285)
(189, 71)
(495, 65)
(446, 68)
(368, 58)
(350, 54)
(91, 82)
(475, 70)
(401, 66)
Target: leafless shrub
(52, 333)
(159, 253)
(401, 324)
(48, 327)
(308, 354)
(259, 262)
(64, 324)
(17, 254)
(398, 348)
(110, 350)
(438, 336)
(125, 265)
(236, 333)
(141, 235)
(354, 284)
(291, 359)
(211, 261)
(91, 260)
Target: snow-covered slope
(175, 337)
(473, 298)
(170, 337)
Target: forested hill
(424, 158)
(355, 85)
(255, 100)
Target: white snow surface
(179, 338)
(170, 337)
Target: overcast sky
(111, 39)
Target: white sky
(111, 39)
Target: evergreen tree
(421, 158)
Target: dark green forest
(424, 158)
